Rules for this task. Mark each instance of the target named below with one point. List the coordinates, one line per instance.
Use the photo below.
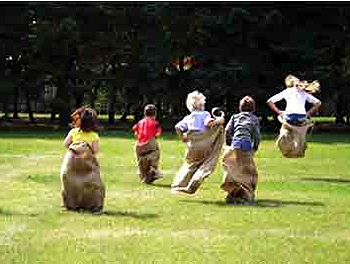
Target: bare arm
(67, 141)
(134, 130)
(273, 99)
(274, 108)
(181, 134)
(159, 130)
(95, 146)
(313, 109)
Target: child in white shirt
(296, 95)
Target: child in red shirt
(148, 127)
(146, 149)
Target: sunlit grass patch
(301, 213)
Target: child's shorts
(244, 145)
(294, 119)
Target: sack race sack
(81, 183)
(292, 139)
(201, 157)
(240, 175)
(147, 157)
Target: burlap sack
(240, 175)
(147, 156)
(202, 154)
(292, 139)
(81, 183)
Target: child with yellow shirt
(82, 187)
(85, 128)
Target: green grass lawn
(302, 213)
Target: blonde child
(198, 120)
(296, 95)
(204, 137)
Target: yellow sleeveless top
(78, 135)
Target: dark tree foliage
(140, 52)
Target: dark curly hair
(85, 118)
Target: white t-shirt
(295, 99)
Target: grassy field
(302, 213)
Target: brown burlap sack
(292, 139)
(147, 156)
(81, 183)
(240, 175)
(202, 154)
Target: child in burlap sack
(296, 95)
(242, 134)
(147, 151)
(295, 119)
(81, 183)
(203, 135)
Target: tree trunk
(126, 112)
(29, 107)
(112, 95)
(15, 102)
(93, 96)
(339, 111)
(160, 113)
(111, 104)
(53, 115)
(5, 108)
(64, 117)
(64, 102)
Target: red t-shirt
(146, 129)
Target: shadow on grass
(328, 180)
(160, 185)
(44, 178)
(263, 203)
(279, 203)
(11, 213)
(135, 215)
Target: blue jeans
(294, 119)
(244, 145)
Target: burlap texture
(147, 157)
(81, 183)
(240, 174)
(292, 139)
(202, 154)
